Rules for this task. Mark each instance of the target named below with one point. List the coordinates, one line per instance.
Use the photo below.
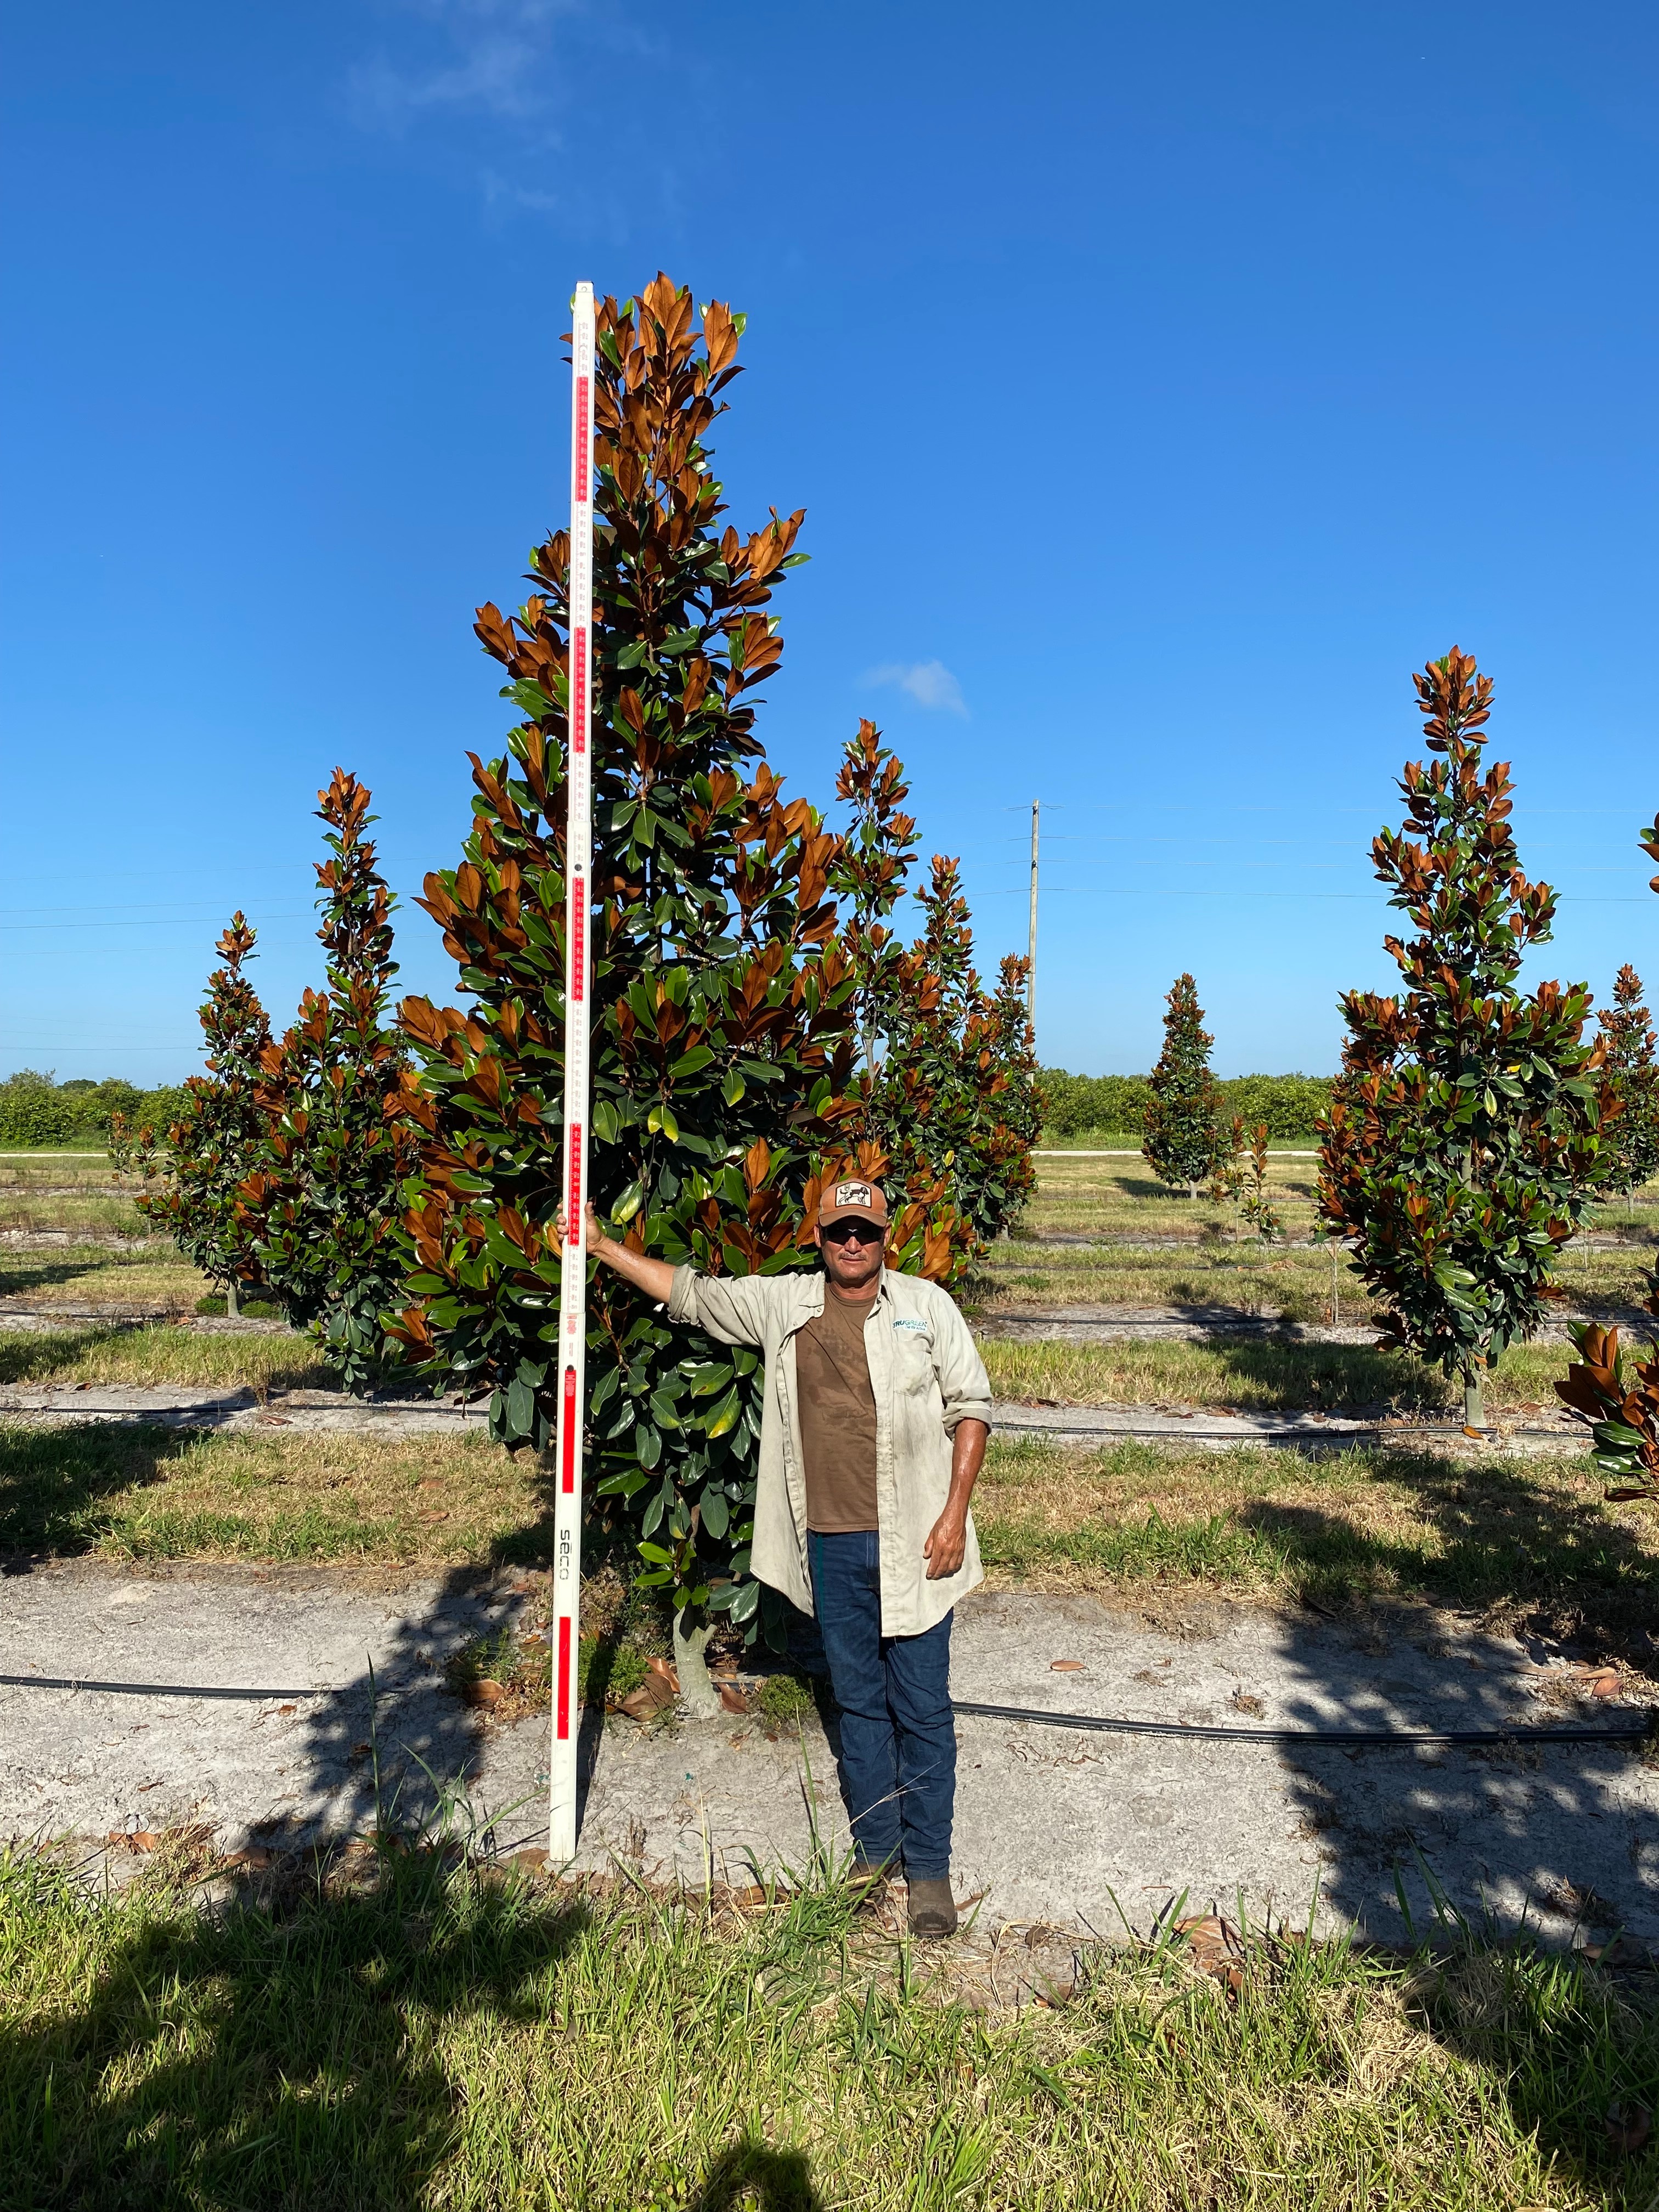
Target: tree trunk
(1192, 1190)
(1474, 1407)
(701, 1698)
(233, 1299)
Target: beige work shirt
(928, 1375)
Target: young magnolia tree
(1183, 1139)
(215, 1142)
(321, 1206)
(1462, 1146)
(955, 1095)
(722, 1017)
(1617, 1396)
(1627, 1038)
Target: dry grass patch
(151, 1493)
(103, 1213)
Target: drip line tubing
(147, 1689)
(1350, 1739)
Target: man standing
(877, 1412)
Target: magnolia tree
(724, 1045)
(320, 1206)
(1627, 1038)
(215, 1142)
(1183, 1141)
(1462, 1148)
(948, 1086)
(954, 1095)
(1618, 1397)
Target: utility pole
(1031, 973)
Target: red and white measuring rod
(573, 1282)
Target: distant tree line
(1116, 1105)
(35, 1108)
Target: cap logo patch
(853, 1194)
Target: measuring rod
(572, 1280)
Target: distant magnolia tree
(1463, 1146)
(1632, 1135)
(1183, 1139)
(192, 1181)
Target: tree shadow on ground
(20, 1275)
(1503, 1537)
(272, 2051)
(52, 1481)
(31, 1357)
(1514, 1835)
(1349, 1378)
(750, 2178)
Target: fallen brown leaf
(429, 1519)
(665, 1673)
(1065, 1666)
(732, 1699)
(483, 1692)
(1215, 1950)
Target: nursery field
(1377, 1519)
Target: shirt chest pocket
(912, 1359)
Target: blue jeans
(898, 1737)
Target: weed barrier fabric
(1339, 1739)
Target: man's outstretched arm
(654, 1277)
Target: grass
(159, 1494)
(1256, 1374)
(403, 2031)
(161, 1354)
(91, 1275)
(1533, 1538)
(1347, 1528)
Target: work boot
(866, 1879)
(933, 1908)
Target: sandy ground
(1081, 1831)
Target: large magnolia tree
(724, 1049)
(1462, 1147)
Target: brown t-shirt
(837, 1417)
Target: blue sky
(1162, 385)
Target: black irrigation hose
(146, 1689)
(1354, 1739)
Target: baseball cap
(865, 1199)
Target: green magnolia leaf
(725, 1417)
(716, 1513)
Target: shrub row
(1074, 1105)
(36, 1110)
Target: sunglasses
(854, 1233)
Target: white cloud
(929, 682)
(497, 64)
